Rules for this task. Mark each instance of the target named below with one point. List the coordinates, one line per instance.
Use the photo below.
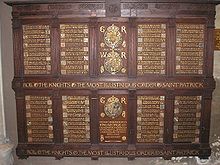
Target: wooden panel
(39, 118)
(113, 118)
(187, 114)
(37, 51)
(74, 49)
(76, 120)
(151, 57)
(113, 48)
(190, 48)
(131, 79)
(150, 119)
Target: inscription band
(112, 85)
(120, 153)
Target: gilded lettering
(36, 38)
(102, 100)
(123, 100)
(28, 85)
(123, 55)
(102, 29)
(124, 44)
(186, 126)
(76, 119)
(103, 54)
(120, 153)
(151, 49)
(189, 39)
(123, 29)
(31, 152)
(123, 85)
(74, 41)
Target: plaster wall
(8, 72)
(2, 116)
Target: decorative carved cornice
(86, 6)
(113, 8)
(136, 6)
(16, 2)
(167, 6)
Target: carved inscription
(189, 48)
(187, 115)
(36, 48)
(76, 120)
(150, 119)
(110, 153)
(113, 49)
(39, 119)
(112, 85)
(74, 49)
(151, 57)
(113, 119)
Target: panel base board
(59, 151)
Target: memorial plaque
(76, 119)
(151, 56)
(39, 119)
(190, 48)
(74, 49)
(113, 49)
(36, 49)
(187, 114)
(128, 85)
(150, 119)
(113, 118)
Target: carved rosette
(112, 36)
(113, 107)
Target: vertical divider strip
(209, 42)
(132, 119)
(93, 60)
(168, 118)
(57, 117)
(132, 46)
(21, 115)
(205, 123)
(55, 47)
(94, 116)
(171, 48)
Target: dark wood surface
(17, 2)
(92, 12)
